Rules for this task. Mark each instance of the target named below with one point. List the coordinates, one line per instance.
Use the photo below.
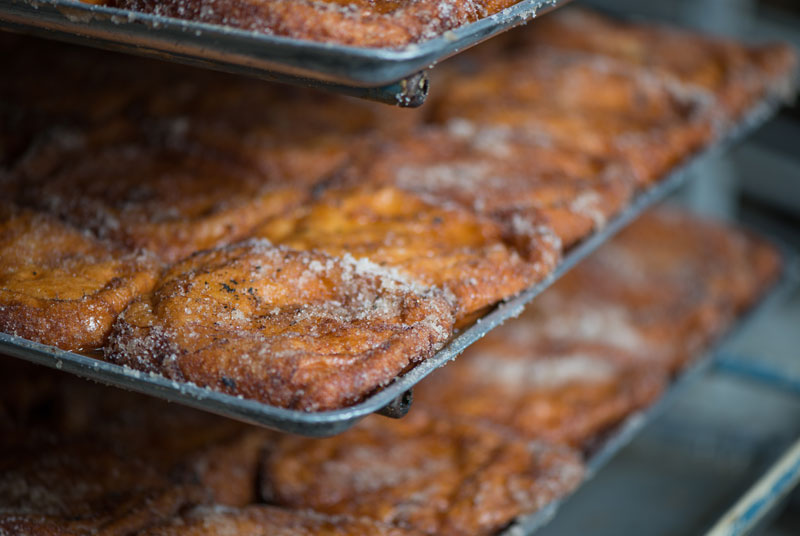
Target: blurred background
(722, 432)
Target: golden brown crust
(520, 182)
(195, 164)
(61, 287)
(468, 256)
(546, 141)
(663, 289)
(566, 392)
(735, 75)
(438, 475)
(265, 520)
(171, 202)
(292, 329)
(602, 341)
(581, 102)
(366, 23)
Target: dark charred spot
(227, 288)
(230, 383)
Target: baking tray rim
(331, 422)
(337, 63)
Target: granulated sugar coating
(602, 342)
(566, 392)
(263, 520)
(735, 75)
(442, 476)
(293, 329)
(661, 290)
(172, 201)
(471, 257)
(368, 23)
(590, 104)
(60, 286)
(520, 181)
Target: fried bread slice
(59, 285)
(565, 392)
(294, 329)
(582, 102)
(364, 23)
(172, 202)
(474, 259)
(737, 75)
(662, 289)
(435, 474)
(514, 180)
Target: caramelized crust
(523, 183)
(171, 202)
(601, 342)
(468, 256)
(565, 392)
(364, 23)
(663, 289)
(292, 329)
(265, 520)
(581, 102)
(441, 476)
(61, 287)
(735, 75)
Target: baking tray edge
(248, 52)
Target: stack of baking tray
(395, 76)
(378, 74)
(394, 399)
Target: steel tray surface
(394, 399)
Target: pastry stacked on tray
(500, 432)
(303, 249)
(363, 23)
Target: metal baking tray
(714, 357)
(394, 399)
(382, 74)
